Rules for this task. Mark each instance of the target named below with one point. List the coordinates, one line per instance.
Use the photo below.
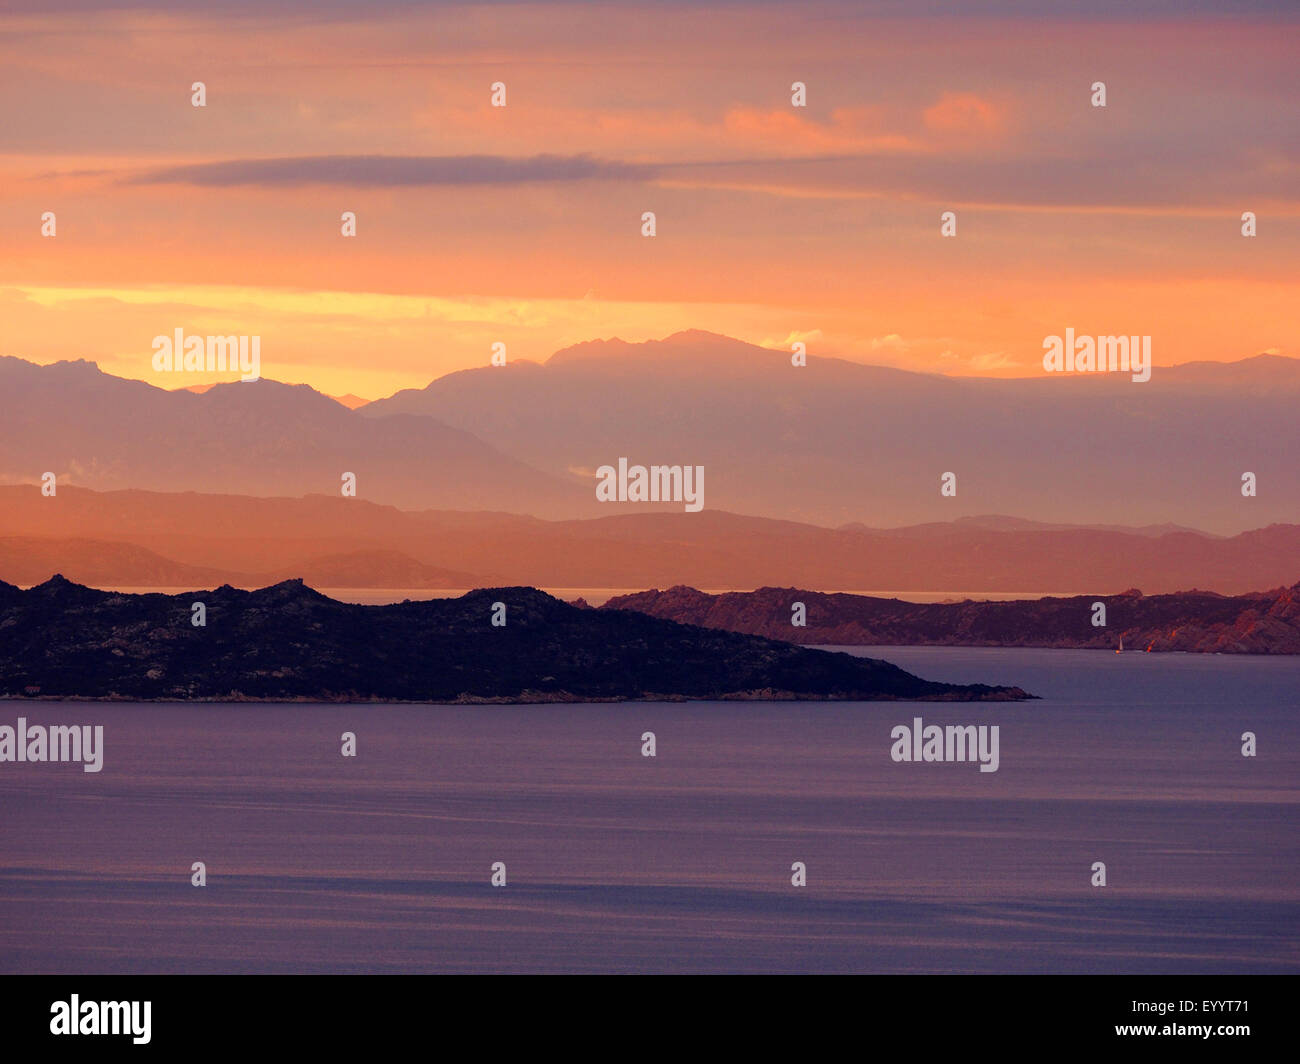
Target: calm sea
(617, 862)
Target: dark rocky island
(290, 643)
(1267, 622)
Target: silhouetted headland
(290, 643)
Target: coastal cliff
(1193, 621)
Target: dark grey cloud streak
(395, 171)
(1131, 179)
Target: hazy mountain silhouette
(833, 443)
(1003, 523)
(350, 401)
(339, 542)
(838, 441)
(29, 560)
(257, 438)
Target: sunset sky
(522, 224)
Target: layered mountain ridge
(135, 538)
(830, 443)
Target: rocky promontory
(290, 643)
(1194, 621)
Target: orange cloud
(965, 113)
(849, 129)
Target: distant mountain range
(256, 438)
(1193, 621)
(136, 539)
(1000, 523)
(837, 441)
(289, 643)
(830, 443)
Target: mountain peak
(696, 336)
(60, 588)
(64, 368)
(294, 589)
(690, 347)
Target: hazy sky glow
(521, 224)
